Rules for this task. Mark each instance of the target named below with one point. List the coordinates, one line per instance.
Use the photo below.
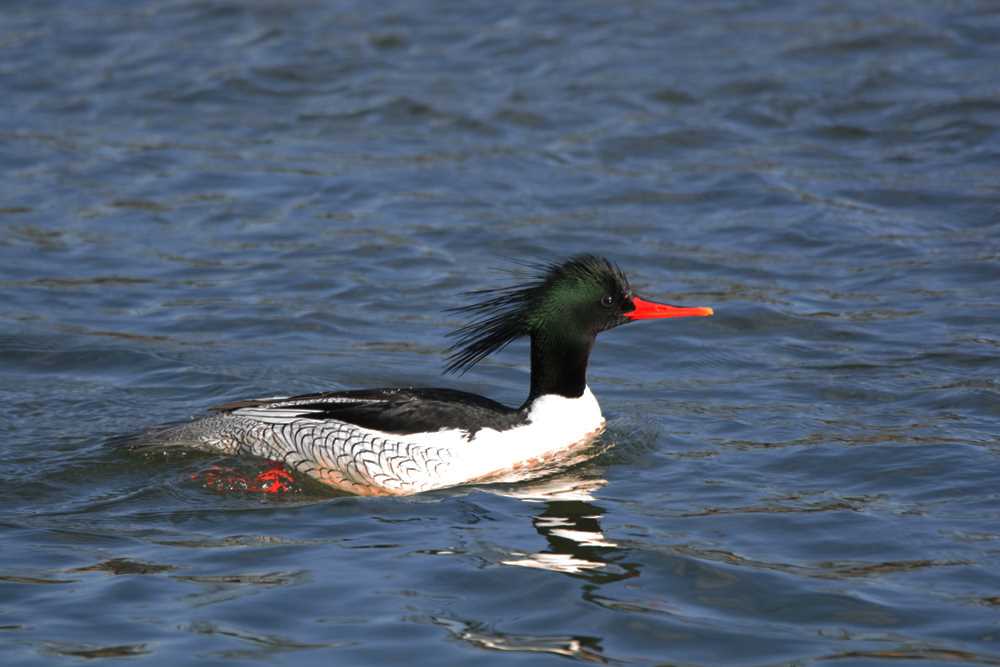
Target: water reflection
(569, 521)
(580, 647)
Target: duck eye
(607, 300)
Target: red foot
(275, 479)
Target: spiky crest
(507, 313)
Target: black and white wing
(397, 411)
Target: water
(203, 202)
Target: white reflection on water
(569, 523)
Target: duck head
(562, 310)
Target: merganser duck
(400, 441)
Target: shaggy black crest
(507, 313)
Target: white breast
(555, 424)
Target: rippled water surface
(206, 201)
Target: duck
(408, 440)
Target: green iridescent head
(578, 298)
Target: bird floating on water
(400, 441)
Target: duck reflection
(580, 647)
(569, 521)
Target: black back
(398, 411)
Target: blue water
(207, 201)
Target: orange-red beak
(650, 310)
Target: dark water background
(205, 201)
